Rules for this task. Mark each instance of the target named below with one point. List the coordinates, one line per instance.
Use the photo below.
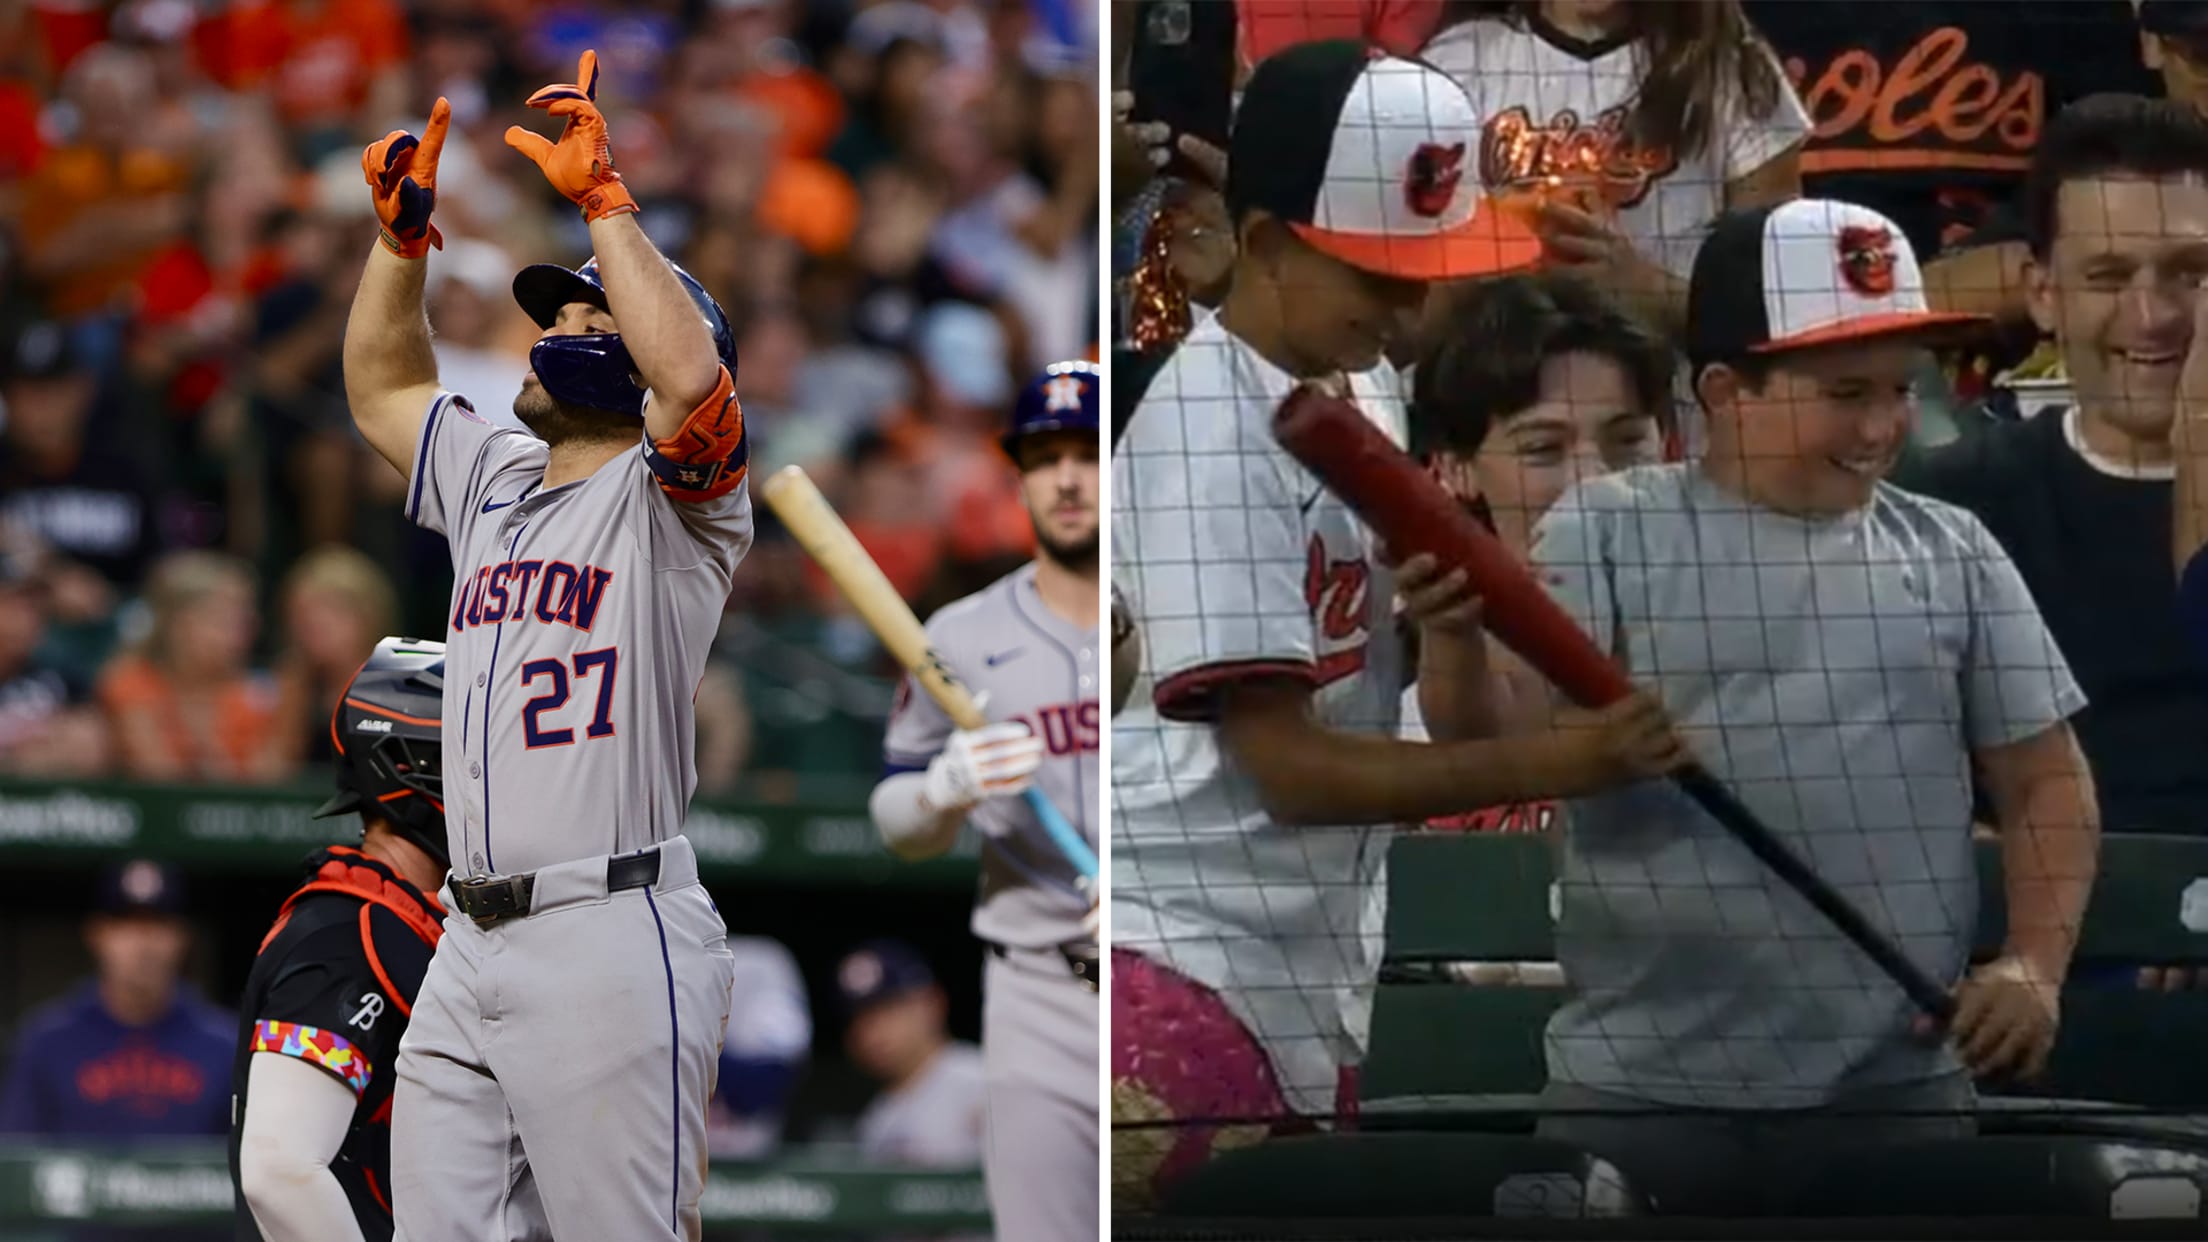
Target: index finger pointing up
(433, 138)
(586, 73)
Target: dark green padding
(1485, 898)
(1403, 1176)
(2042, 1178)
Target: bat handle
(1062, 834)
(1728, 810)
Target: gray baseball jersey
(1039, 1023)
(556, 1070)
(580, 622)
(1837, 675)
(1044, 672)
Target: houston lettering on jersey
(1513, 147)
(1930, 107)
(1336, 591)
(1066, 728)
(142, 1077)
(554, 592)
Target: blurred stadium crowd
(896, 201)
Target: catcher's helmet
(390, 740)
(1063, 398)
(595, 369)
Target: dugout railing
(2112, 1141)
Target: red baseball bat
(1408, 509)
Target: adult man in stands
(133, 1052)
(2081, 498)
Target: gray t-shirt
(581, 617)
(1837, 675)
(1043, 671)
(938, 1120)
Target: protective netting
(1407, 924)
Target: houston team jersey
(1042, 671)
(1553, 106)
(580, 621)
(1240, 563)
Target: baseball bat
(1400, 501)
(808, 516)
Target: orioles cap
(1363, 156)
(1806, 273)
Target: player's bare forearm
(659, 323)
(1456, 691)
(2050, 822)
(390, 370)
(1309, 774)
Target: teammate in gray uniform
(1030, 643)
(556, 1070)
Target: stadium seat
(1380, 1176)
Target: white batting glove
(994, 761)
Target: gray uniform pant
(554, 1074)
(1713, 1164)
(1040, 1056)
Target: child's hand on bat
(1631, 740)
(1434, 599)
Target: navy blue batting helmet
(594, 369)
(390, 740)
(1064, 397)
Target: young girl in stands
(1632, 125)
(1527, 385)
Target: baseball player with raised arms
(1029, 644)
(561, 1053)
(336, 977)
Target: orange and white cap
(1367, 158)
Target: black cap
(141, 886)
(2177, 19)
(1806, 273)
(1368, 159)
(881, 970)
(41, 350)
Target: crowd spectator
(1529, 385)
(1642, 122)
(133, 1052)
(335, 606)
(182, 702)
(764, 1052)
(859, 182)
(930, 1112)
(2080, 497)
(47, 726)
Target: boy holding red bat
(1848, 658)
(1256, 768)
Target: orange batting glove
(580, 164)
(402, 178)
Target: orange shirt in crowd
(231, 747)
(76, 179)
(1263, 27)
(318, 56)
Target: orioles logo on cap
(1431, 180)
(1867, 259)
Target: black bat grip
(1737, 819)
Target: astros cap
(1805, 273)
(1364, 157)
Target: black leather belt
(492, 897)
(1080, 959)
